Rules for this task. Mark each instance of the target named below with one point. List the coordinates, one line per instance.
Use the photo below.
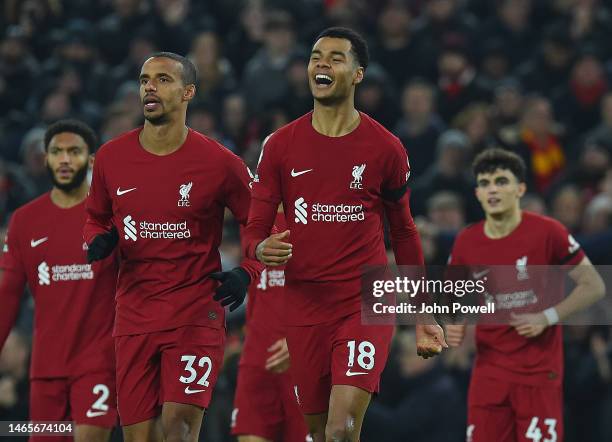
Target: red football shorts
(507, 412)
(341, 352)
(88, 399)
(265, 405)
(179, 365)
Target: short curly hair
(75, 127)
(489, 160)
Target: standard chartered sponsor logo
(271, 278)
(43, 274)
(129, 228)
(154, 230)
(301, 216)
(64, 272)
(328, 213)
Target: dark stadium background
(448, 77)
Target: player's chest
(352, 173)
(181, 191)
(55, 247)
(517, 252)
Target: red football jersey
(74, 301)
(537, 241)
(169, 213)
(333, 191)
(265, 306)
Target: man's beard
(158, 120)
(77, 179)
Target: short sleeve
(396, 173)
(11, 254)
(266, 184)
(563, 247)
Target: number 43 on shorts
(535, 434)
(205, 363)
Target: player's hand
(102, 245)
(273, 251)
(529, 325)
(233, 287)
(279, 361)
(8, 392)
(455, 334)
(429, 340)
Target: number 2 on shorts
(100, 403)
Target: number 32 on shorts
(205, 364)
(365, 357)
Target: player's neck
(335, 121)
(502, 225)
(67, 199)
(163, 139)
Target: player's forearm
(252, 267)
(11, 289)
(405, 238)
(589, 289)
(259, 226)
(95, 226)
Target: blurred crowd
(448, 77)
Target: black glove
(233, 287)
(102, 245)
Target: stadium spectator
(116, 30)
(215, 75)
(396, 48)
(510, 26)
(457, 78)
(475, 122)
(549, 68)
(14, 385)
(449, 173)
(439, 21)
(566, 205)
(539, 145)
(415, 388)
(419, 126)
(264, 81)
(506, 112)
(578, 103)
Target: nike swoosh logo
(121, 192)
(188, 391)
(478, 275)
(350, 373)
(301, 172)
(95, 413)
(37, 242)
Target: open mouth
(323, 80)
(493, 201)
(151, 103)
(64, 172)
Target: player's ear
(477, 193)
(358, 75)
(91, 161)
(522, 188)
(189, 92)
